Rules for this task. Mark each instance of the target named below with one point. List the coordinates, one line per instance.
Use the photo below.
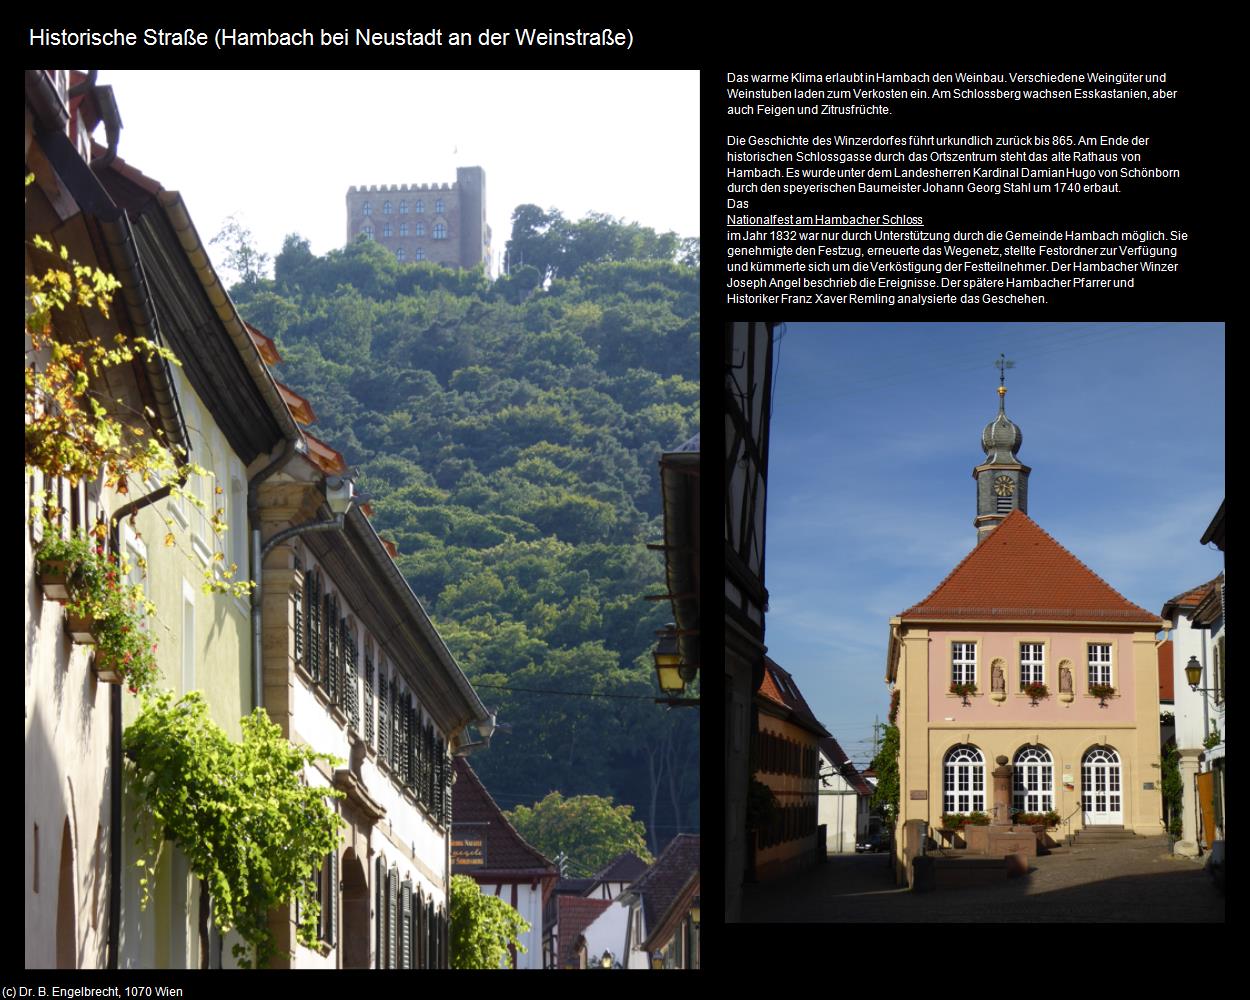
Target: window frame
(1039, 663)
(1108, 665)
(953, 649)
(963, 763)
(1029, 757)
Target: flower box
(54, 577)
(1102, 692)
(80, 627)
(1036, 692)
(105, 669)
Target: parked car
(873, 842)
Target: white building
(844, 799)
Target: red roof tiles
(1190, 598)
(779, 687)
(507, 853)
(1020, 572)
(576, 913)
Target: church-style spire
(1002, 481)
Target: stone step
(1094, 834)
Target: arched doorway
(66, 924)
(1102, 799)
(355, 937)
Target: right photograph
(974, 622)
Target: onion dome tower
(1002, 481)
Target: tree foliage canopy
(589, 829)
(509, 434)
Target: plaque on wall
(919, 793)
(1148, 786)
(468, 846)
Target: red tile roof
(666, 886)
(325, 457)
(1165, 672)
(779, 687)
(575, 914)
(622, 868)
(507, 853)
(1020, 572)
(1190, 598)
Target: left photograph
(361, 539)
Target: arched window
(403, 208)
(401, 254)
(418, 228)
(418, 207)
(403, 229)
(963, 781)
(440, 231)
(1033, 781)
(418, 254)
(366, 208)
(386, 229)
(386, 208)
(439, 208)
(367, 232)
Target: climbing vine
(249, 826)
(72, 430)
(483, 927)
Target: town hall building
(1022, 657)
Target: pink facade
(1060, 646)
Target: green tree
(1173, 787)
(241, 254)
(482, 927)
(589, 829)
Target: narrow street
(1135, 881)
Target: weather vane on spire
(1002, 364)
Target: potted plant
(963, 690)
(1036, 691)
(1102, 692)
(125, 652)
(58, 560)
(976, 818)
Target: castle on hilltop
(442, 223)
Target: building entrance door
(1102, 800)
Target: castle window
(1099, 662)
(386, 208)
(367, 232)
(401, 254)
(386, 229)
(403, 229)
(963, 781)
(418, 207)
(963, 662)
(439, 207)
(1032, 663)
(418, 228)
(440, 231)
(418, 254)
(403, 208)
(367, 208)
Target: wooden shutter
(312, 614)
(332, 901)
(392, 914)
(332, 647)
(420, 948)
(431, 950)
(447, 778)
(384, 719)
(351, 697)
(405, 925)
(369, 700)
(298, 609)
(379, 913)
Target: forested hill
(509, 434)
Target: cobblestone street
(1124, 881)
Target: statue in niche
(1065, 679)
(997, 681)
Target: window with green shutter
(369, 700)
(405, 925)
(312, 615)
(384, 719)
(392, 914)
(351, 698)
(379, 913)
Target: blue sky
(876, 429)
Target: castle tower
(1002, 481)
